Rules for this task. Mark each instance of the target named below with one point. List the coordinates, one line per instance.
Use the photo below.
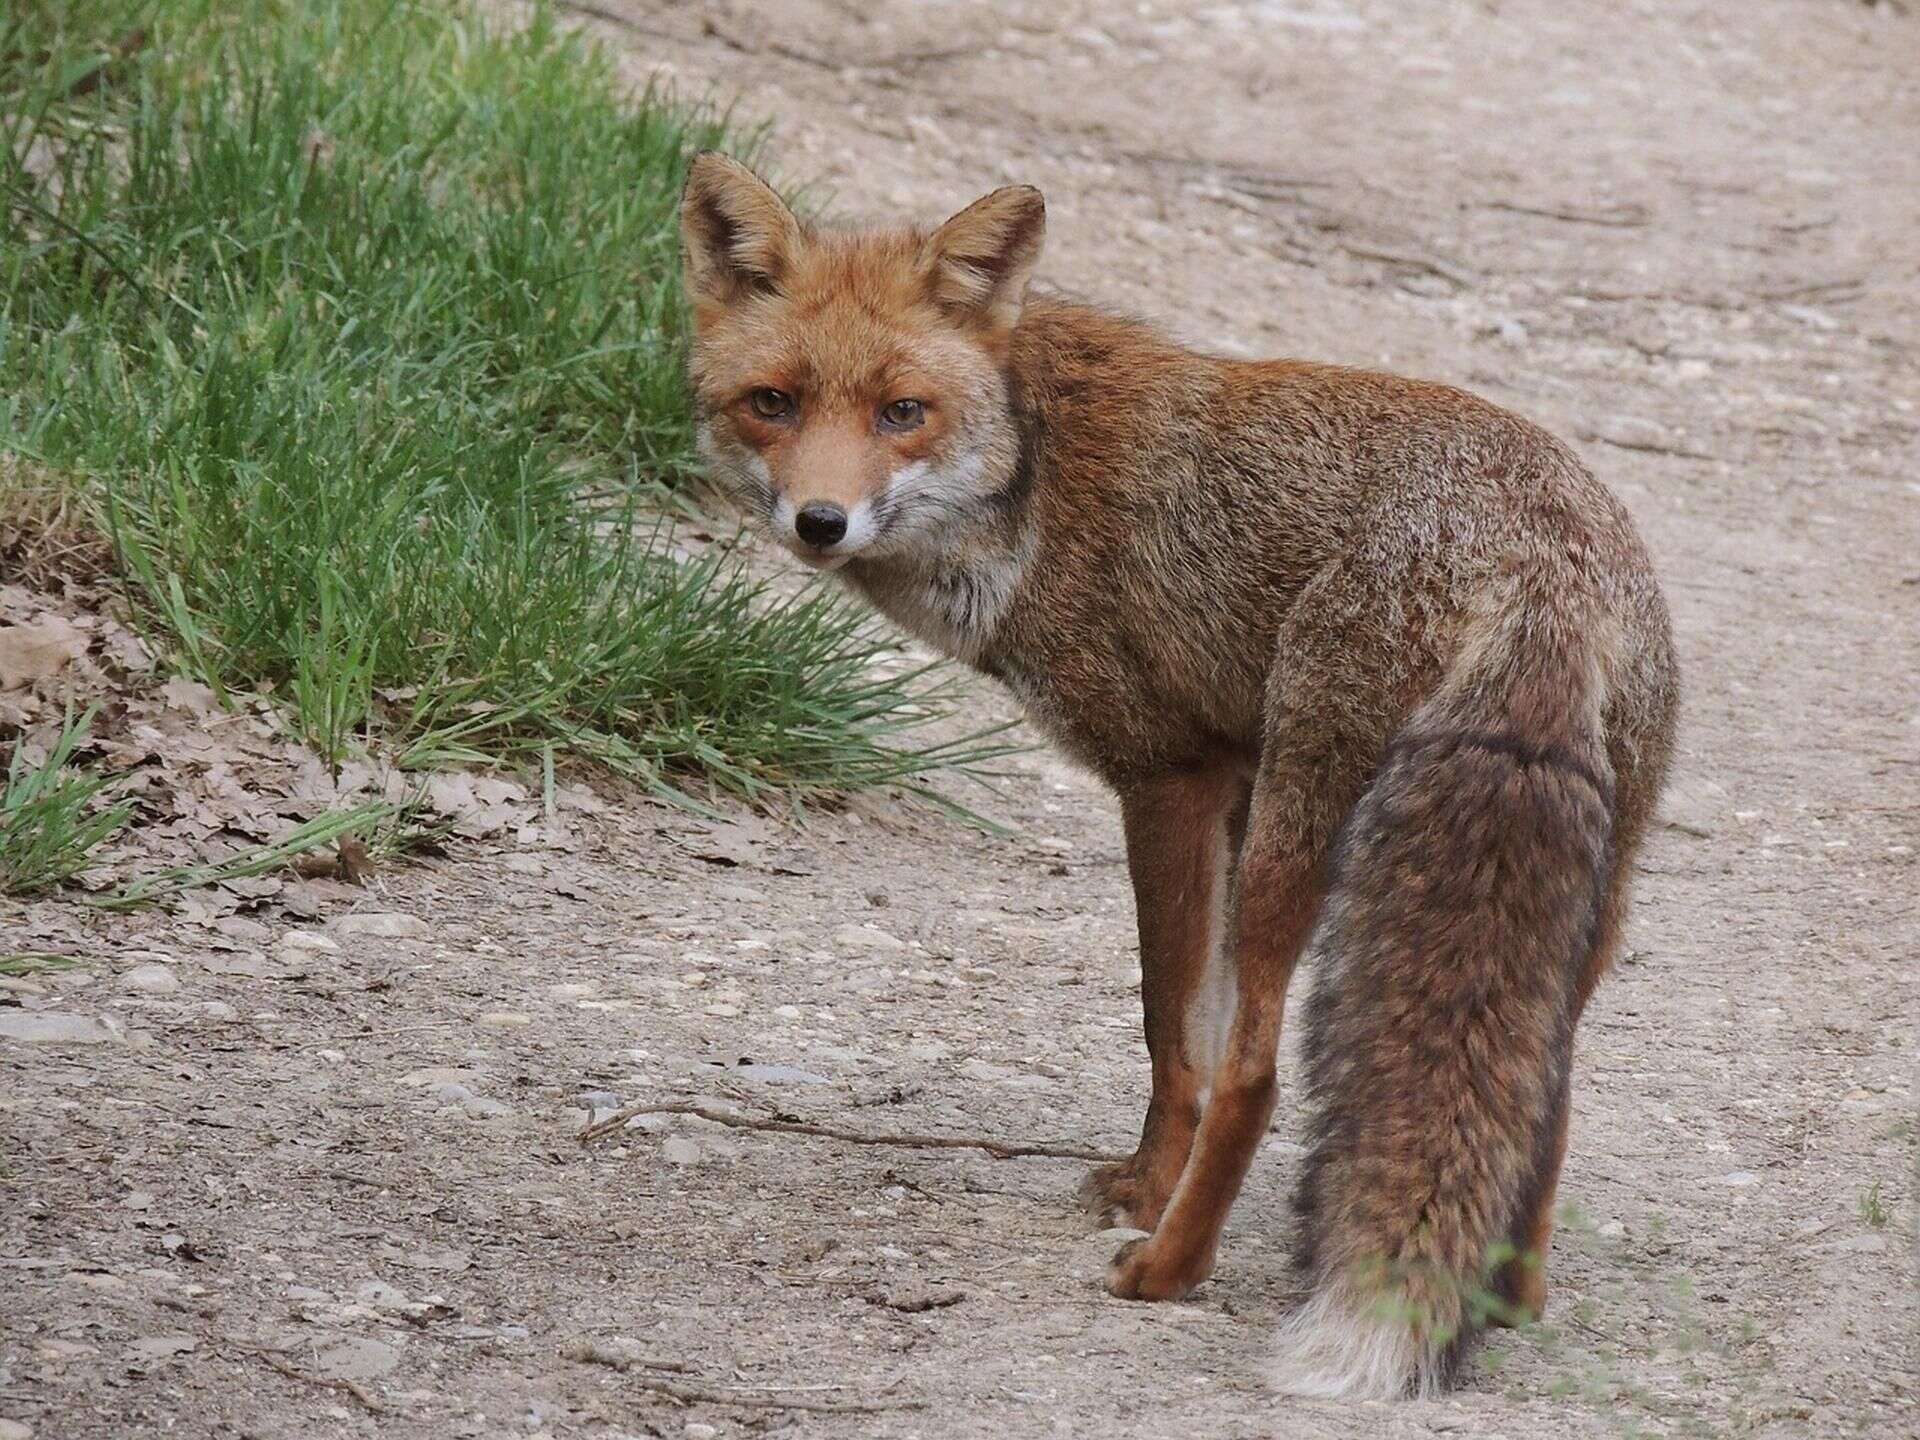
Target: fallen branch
(323, 1382)
(854, 1137)
(700, 1395)
(1409, 260)
(1623, 217)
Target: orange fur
(1366, 658)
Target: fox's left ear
(983, 256)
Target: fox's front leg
(1183, 831)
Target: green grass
(1873, 1207)
(360, 322)
(49, 821)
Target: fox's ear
(983, 256)
(736, 234)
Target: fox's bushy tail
(1465, 893)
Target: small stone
(722, 1009)
(787, 1012)
(1740, 1178)
(354, 1358)
(438, 1075)
(452, 1093)
(20, 1430)
(482, 1107)
(381, 1296)
(52, 1027)
(1120, 1235)
(780, 1075)
(679, 1150)
(649, 1124)
(700, 1430)
(525, 864)
(504, 1020)
(867, 938)
(218, 1010)
(137, 1200)
(383, 925)
(1629, 432)
(156, 1348)
(1613, 1230)
(311, 940)
(150, 980)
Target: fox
(1378, 672)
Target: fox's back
(1186, 502)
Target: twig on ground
(1621, 217)
(1408, 259)
(287, 1368)
(701, 1395)
(828, 1132)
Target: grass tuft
(49, 823)
(361, 322)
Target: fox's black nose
(820, 523)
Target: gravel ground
(309, 1167)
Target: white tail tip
(1344, 1346)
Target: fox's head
(850, 386)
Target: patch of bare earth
(326, 1181)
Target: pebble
(779, 1075)
(353, 1357)
(162, 1347)
(1740, 1178)
(381, 1296)
(866, 937)
(482, 1107)
(700, 1430)
(1119, 1235)
(309, 940)
(218, 1010)
(679, 1150)
(383, 925)
(452, 1093)
(20, 1430)
(53, 1027)
(150, 980)
(504, 1020)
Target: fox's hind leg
(1183, 832)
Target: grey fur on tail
(1461, 913)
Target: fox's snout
(821, 523)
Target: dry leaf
(37, 651)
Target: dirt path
(318, 1191)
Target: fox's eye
(771, 404)
(904, 414)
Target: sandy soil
(294, 1190)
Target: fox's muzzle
(820, 523)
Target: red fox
(1375, 668)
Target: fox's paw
(1119, 1194)
(1151, 1269)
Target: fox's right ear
(736, 234)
